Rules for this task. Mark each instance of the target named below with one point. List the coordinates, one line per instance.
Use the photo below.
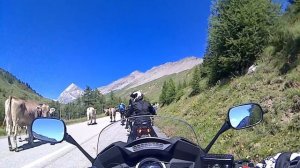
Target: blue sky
(53, 43)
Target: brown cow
(21, 113)
(106, 112)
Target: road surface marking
(45, 158)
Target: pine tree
(195, 82)
(113, 100)
(171, 92)
(99, 100)
(87, 97)
(163, 95)
(179, 91)
(238, 32)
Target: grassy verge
(279, 97)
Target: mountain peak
(72, 87)
(71, 93)
(136, 72)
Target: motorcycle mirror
(239, 117)
(49, 129)
(244, 116)
(54, 131)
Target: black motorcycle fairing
(174, 151)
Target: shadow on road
(92, 123)
(30, 146)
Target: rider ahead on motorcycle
(137, 107)
(122, 109)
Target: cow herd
(19, 114)
(91, 114)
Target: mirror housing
(238, 115)
(244, 116)
(49, 130)
(54, 131)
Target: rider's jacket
(122, 107)
(140, 107)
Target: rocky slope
(137, 78)
(121, 83)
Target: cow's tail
(8, 112)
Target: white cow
(112, 114)
(51, 112)
(21, 113)
(91, 115)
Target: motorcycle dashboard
(172, 152)
(148, 145)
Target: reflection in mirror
(48, 129)
(244, 116)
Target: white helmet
(137, 95)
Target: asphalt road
(63, 154)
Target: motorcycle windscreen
(134, 128)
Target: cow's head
(52, 110)
(43, 110)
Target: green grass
(280, 130)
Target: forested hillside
(10, 85)
(244, 33)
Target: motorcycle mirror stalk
(225, 127)
(239, 117)
(68, 138)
